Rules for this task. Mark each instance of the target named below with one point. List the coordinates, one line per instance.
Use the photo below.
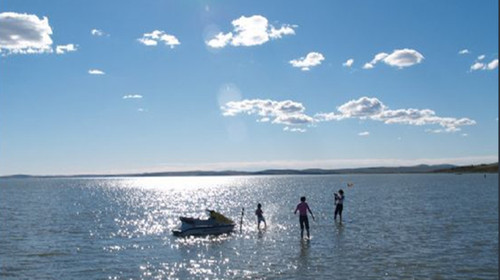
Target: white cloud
(304, 63)
(157, 36)
(250, 31)
(286, 112)
(284, 30)
(422, 117)
(98, 33)
(27, 34)
(291, 113)
(96, 72)
(398, 58)
(348, 63)
(364, 133)
(464, 51)
(294, 129)
(132, 96)
(368, 66)
(220, 40)
(477, 66)
(24, 34)
(378, 57)
(481, 64)
(362, 108)
(404, 58)
(326, 117)
(372, 108)
(62, 49)
(493, 64)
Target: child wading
(339, 201)
(302, 207)
(260, 217)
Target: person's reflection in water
(304, 248)
(303, 259)
(340, 228)
(260, 233)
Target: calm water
(395, 227)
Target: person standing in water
(260, 217)
(339, 202)
(302, 207)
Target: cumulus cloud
(403, 58)
(294, 129)
(250, 31)
(398, 58)
(464, 51)
(62, 49)
(477, 66)
(372, 108)
(220, 40)
(368, 66)
(378, 57)
(286, 112)
(284, 30)
(24, 34)
(96, 72)
(362, 108)
(305, 63)
(492, 65)
(348, 63)
(158, 36)
(292, 114)
(27, 34)
(98, 33)
(364, 133)
(481, 57)
(132, 96)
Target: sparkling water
(397, 226)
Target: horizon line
(260, 166)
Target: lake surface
(425, 226)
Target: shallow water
(432, 226)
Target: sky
(100, 87)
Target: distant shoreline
(417, 169)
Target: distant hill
(423, 168)
(482, 168)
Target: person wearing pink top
(302, 207)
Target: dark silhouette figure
(339, 202)
(260, 217)
(302, 207)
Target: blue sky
(135, 86)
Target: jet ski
(214, 225)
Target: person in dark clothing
(260, 216)
(302, 207)
(339, 202)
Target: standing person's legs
(302, 221)
(306, 222)
(341, 207)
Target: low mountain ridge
(422, 168)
